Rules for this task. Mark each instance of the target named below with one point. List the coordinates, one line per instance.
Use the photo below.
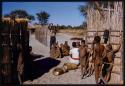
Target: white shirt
(75, 54)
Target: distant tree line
(43, 18)
(60, 27)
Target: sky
(62, 13)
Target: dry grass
(74, 32)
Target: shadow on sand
(43, 66)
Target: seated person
(55, 51)
(64, 50)
(74, 59)
(74, 53)
(67, 46)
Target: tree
(31, 18)
(6, 15)
(19, 13)
(83, 9)
(43, 17)
(69, 26)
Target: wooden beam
(17, 19)
(92, 36)
(115, 35)
(103, 31)
(105, 9)
(116, 72)
(103, 43)
(117, 57)
(8, 19)
(93, 31)
(102, 35)
(7, 34)
(116, 30)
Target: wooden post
(109, 35)
(46, 35)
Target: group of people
(99, 57)
(59, 51)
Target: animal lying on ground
(66, 67)
(58, 71)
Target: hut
(108, 17)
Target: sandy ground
(71, 77)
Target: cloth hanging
(106, 36)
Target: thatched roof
(16, 19)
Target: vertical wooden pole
(46, 34)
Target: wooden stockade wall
(107, 18)
(11, 33)
(41, 34)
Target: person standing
(83, 54)
(52, 38)
(98, 50)
(108, 60)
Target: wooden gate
(13, 32)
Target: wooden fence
(41, 34)
(12, 32)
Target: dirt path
(72, 77)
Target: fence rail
(103, 31)
(104, 43)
